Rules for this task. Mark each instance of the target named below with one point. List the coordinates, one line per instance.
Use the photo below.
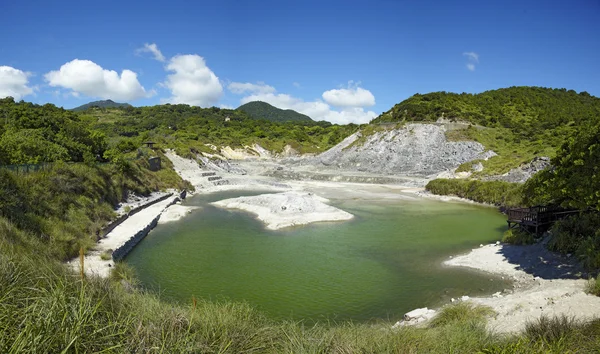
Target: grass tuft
(551, 329)
(461, 313)
(593, 286)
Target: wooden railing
(538, 215)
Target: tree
(574, 180)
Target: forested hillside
(527, 111)
(187, 127)
(263, 110)
(32, 134)
(66, 203)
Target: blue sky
(342, 61)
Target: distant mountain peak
(101, 104)
(263, 110)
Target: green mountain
(518, 123)
(525, 110)
(101, 104)
(263, 110)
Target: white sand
(545, 284)
(175, 212)
(286, 209)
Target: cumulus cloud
(472, 59)
(192, 82)
(353, 96)
(88, 78)
(244, 87)
(317, 109)
(152, 48)
(14, 82)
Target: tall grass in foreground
(46, 308)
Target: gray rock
(524, 172)
(415, 150)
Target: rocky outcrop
(524, 172)
(416, 317)
(415, 149)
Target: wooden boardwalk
(536, 219)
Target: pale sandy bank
(175, 212)
(286, 209)
(545, 284)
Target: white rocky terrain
(280, 210)
(412, 150)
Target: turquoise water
(380, 265)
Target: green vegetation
(578, 235)
(491, 192)
(101, 104)
(462, 313)
(593, 286)
(574, 182)
(512, 150)
(68, 202)
(263, 110)
(31, 134)
(529, 112)
(518, 237)
(189, 129)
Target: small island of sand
(280, 210)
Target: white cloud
(243, 87)
(226, 106)
(472, 59)
(472, 56)
(317, 109)
(152, 48)
(353, 96)
(14, 82)
(297, 85)
(88, 78)
(192, 82)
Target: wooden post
(81, 263)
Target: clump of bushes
(498, 193)
(579, 235)
(593, 286)
(518, 237)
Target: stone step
(214, 178)
(221, 182)
(206, 174)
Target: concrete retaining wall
(133, 211)
(124, 249)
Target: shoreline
(544, 283)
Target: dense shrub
(518, 237)
(580, 235)
(490, 192)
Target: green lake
(385, 262)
